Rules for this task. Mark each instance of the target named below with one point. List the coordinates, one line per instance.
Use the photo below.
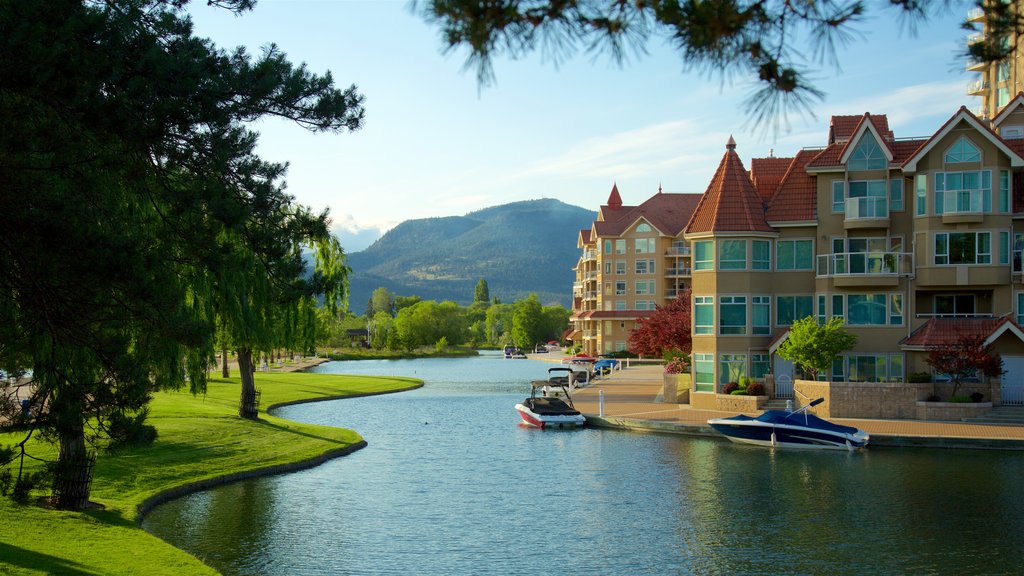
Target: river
(451, 484)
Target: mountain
(518, 248)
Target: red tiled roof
(827, 157)
(730, 204)
(841, 128)
(904, 149)
(585, 236)
(939, 331)
(614, 200)
(766, 173)
(669, 213)
(796, 197)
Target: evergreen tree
(481, 292)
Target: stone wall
(739, 403)
(889, 400)
(951, 411)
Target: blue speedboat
(796, 429)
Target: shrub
(977, 397)
(745, 381)
(919, 378)
(960, 399)
(755, 389)
(730, 388)
(678, 365)
(738, 392)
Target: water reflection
(450, 484)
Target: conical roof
(731, 203)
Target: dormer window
(962, 151)
(643, 228)
(868, 155)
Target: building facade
(911, 241)
(996, 82)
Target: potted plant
(676, 380)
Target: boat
(791, 429)
(513, 352)
(553, 408)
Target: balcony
(975, 38)
(869, 212)
(961, 206)
(589, 255)
(592, 295)
(678, 251)
(865, 268)
(977, 88)
(590, 276)
(678, 272)
(975, 15)
(974, 65)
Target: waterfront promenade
(632, 401)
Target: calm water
(450, 484)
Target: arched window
(868, 155)
(962, 151)
(643, 228)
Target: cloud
(355, 236)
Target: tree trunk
(247, 406)
(73, 474)
(224, 363)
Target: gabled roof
(668, 213)
(963, 115)
(766, 173)
(866, 124)
(1014, 104)
(730, 204)
(584, 238)
(842, 128)
(939, 331)
(796, 199)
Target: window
(620, 266)
(608, 268)
(704, 372)
(821, 309)
(734, 315)
(837, 306)
(1020, 307)
(759, 365)
(643, 228)
(761, 254)
(867, 200)
(645, 287)
(733, 255)
(794, 255)
(703, 255)
(641, 305)
(1002, 97)
(866, 309)
(620, 246)
(963, 248)
(1004, 191)
(641, 266)
(792, 308)
(921, 195)
(954, 305)
(838, 195)
(731, 367)
(896, 195)
(1002, 72)
(867, 367)
(620, 288)
(960, 192)
(703, 315)
(761, 314)
(643, 245)
(1004, 247)
(607, 288)
(607, 246)
(895, 309)
(962, 151)
(620, 305)
(868, 155)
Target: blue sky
(436, 143)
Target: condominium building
(912, 241)
(996, 82)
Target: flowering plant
(678, 365)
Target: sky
(438, 143)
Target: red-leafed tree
(962, 358)
(667, 329)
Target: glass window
(921, 195)
(620, 266)
(838, 195)
(1002, 97)
(896, 367)
(963, 248)
(962, 151)
(794, 255)
(792, 308)
(608, 268)
(761, 254)
(620, 288)
(896, 309)
(607, 246)
(759, 365)
(821, 309)
(761, 314)
(958, 192)
(641, 305)
(896, 194)
(643, 228)
(734, 315)
(703, 315)
(731, 367)
(1004, 191)
(1020, 307)
(733, 255)
(866, 309)
(867, 367)
(703, 255)
(620, 305)
(953, 305)
(704, 372)
(868, 155)
(837, 306)
(641, 266)
(620, 246)
(1004, 247)
(643, 245)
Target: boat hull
(541, 420)
(791, 436)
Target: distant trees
(814, 347)
(666, 330)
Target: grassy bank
(200, 441)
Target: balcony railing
(678, 251)
(977, 88)
(872, 207)
(678, 272)
(975, 15)
(590, 255)
(866, 264)
(962, 202)
(975, 65)
(590, 276)
(975, 37)
(592, 295)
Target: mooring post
(600, 403)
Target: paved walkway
(632, 401)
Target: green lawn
(200, 440)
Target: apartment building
(912, 241)
(996, 82)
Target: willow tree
(130, 193)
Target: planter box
(675, 388)
(739, 403)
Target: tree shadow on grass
(38, 562)
(290, 430)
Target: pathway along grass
(201, 441)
